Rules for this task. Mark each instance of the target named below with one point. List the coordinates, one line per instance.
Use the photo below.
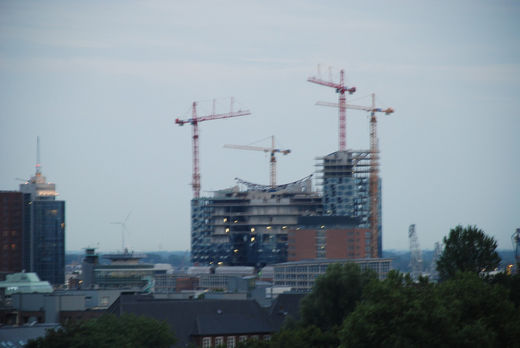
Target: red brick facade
(305, 244)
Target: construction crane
(415, 253)
(194, 121)
(374, 165)
(515, 238)
(340, 89)
(273, 150)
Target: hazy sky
(102, 82)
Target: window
(242, 338)
(267, 337)
(219, 341)
(231, 342)
(206, 342)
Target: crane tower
(272, 150)
(194, 121)
(340, 89)
(374, 164)
(415, 253)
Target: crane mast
(340, 89)
(272, 150)
(374, 166)
(194, 121)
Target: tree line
(466, 308)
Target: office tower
(11, 232)
(44, 229)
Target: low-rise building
(204, 323)
(301, 275)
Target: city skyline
(102, 84)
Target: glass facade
(47, 242)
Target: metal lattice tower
(415, 253)
(340, 89)
(516, 245)
(194, 121)
(434, 274)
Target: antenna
(38, 165)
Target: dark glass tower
(44, 229)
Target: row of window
(230, 341)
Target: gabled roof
(189, 318)
(285, 305)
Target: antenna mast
(38, 165)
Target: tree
(334, 295)
(127, 331)
(465, 311)
(467, 249)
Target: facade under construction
(248, 224)
(251, 224)
(345, 179)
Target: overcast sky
(102, 82)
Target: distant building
(249, 227)
(59, 306)
(301, 275)
(19, 336)
(24, 283)
(11, 232)
(44, 229)
(125, 271)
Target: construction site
(256, 225)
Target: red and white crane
(374, 166)
(340, 89)
(194, 121)
(273, 150)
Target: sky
(101, 84)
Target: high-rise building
(44, 229)
(11, 232)
(249, 226)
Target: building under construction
(248, 224)
(251, 224)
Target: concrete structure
(23, 283)
(11, 232)
(124, 272)
(61, 306)
(301, 275)
(249, 226)
(344, 177)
